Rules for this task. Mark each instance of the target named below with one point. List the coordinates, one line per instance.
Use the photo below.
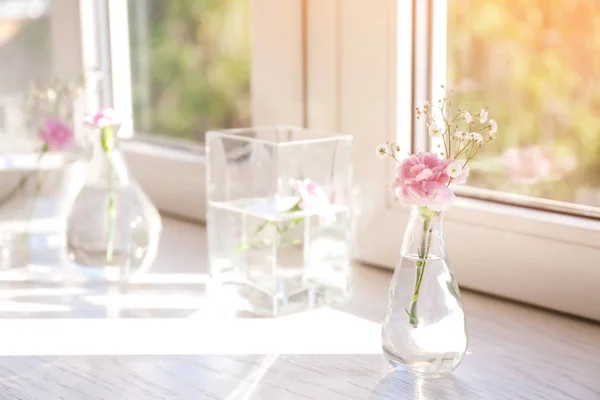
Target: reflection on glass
(190, 62)
(536, 65)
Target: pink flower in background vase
(101, 118)
(528, 165)
(56, 134)
(313, 199)
(535, 164)
(422, 180)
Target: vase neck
(107, 166)
(423, 237)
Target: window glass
(25, 51)
(190, 64)
(536, 65)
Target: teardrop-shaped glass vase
(113, 228)
(424, 331)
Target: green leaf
(262, 226)
(281, 230)
(242, 247)
(295, 207)
(295, 222)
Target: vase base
(98, 273)
(35, 256)
(93, 265)
(434, 368)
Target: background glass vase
(424, 330)
(278, 218)
(35, 196)
(112, 229)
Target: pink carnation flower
(422, 180)
(101, 118)
(56, 134)
(313, 199)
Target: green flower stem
(280, 231)
(23, 180)
(36, 193)
(37, 190)
(20, 185)
(107, 137)
(422, 263)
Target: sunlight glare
(322, 331)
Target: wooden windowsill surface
(162, 339)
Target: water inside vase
(35, 195)
(274, 262)
(428, 339)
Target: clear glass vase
(278, 218)
(113, 229)
(35, 195)
(38, 181)
(424, 330)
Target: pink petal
(423, 175)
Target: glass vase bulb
(113, 229)
(424, 329)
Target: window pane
(25, 54)
(190, 62)
(536, 64)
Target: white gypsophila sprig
(455, 168)
(388, 149)
(468, 117)
(462, 132)
(493, 128)
(476, 137)
(483, 116)
(461, 135)
(434, 130)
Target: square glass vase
(278, 218)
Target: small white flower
(381, 151)
(423, 109)
(434, 131)
(455, 168)
(493, 128)
(483, 115)
(460, 135)
(468, 117)
(476, 137)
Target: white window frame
(334, 65)
(354, 47)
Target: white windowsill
(526, 350)
(525, 333)
(173, 178)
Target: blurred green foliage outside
(536, 65)
(190, 62)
